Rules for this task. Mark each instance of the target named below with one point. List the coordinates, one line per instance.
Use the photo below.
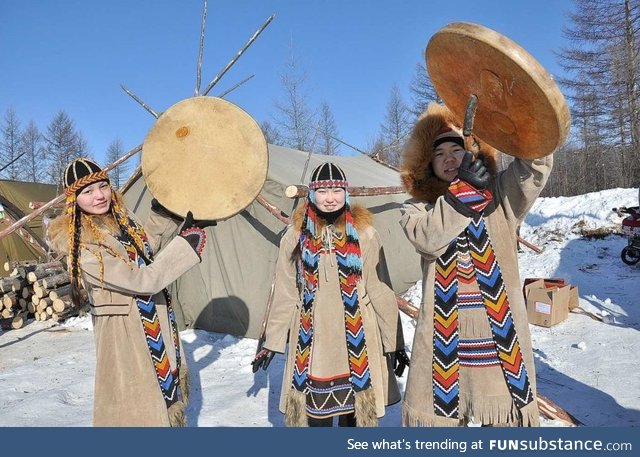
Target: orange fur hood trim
(416, 171)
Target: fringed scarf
(167, 379)
(349, 261)
(470, 258)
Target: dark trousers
(344, 420)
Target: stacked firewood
(38, 290)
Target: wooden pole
(277, 213)
(60, 198)
(237, 56)
(296, 191)
(531, 246)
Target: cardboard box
(547, 304)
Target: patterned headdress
(348, 254)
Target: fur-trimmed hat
(82, 172)
(328, 174)
(416, 172)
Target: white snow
(587, 365)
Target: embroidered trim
(475, 199)
(328, 183)
(168, 380)
(101, 175)
(198, 234)
(473, 243)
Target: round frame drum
(520, 110)
(205, 155)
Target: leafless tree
(422, 91)
(328, 131)
(119, 174)
(33, 160)
(63, 143)
(294, 119)
(395, 128)
(271, 134)
(602, 67)
(10, 145)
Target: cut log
(33, 276)
(19, 320)
(52, 282)
(10, 300)
(27, 292)
(60, 292)
(44, 316)
(60, 305)
(22, 303)
(6, 284)
(8, 266)
(18, 284)
(35, 299)
(44, 302)
(31, 307)
(7, 313)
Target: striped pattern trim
(475, 199)
(449, 352)
(478, 353)
(470, 300)
(328, 183)
(168, 379)
(496, 302)
(101, 175)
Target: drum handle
(469, 116)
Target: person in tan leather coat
(338, 318)
(141, 376)
(472, 359)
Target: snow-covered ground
(587, 365)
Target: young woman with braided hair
(141, 377)
(340, 319)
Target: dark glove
(399, 361)
(263, 359)
(193, 232)
(190, 222)
(158, 208)
(474, 173)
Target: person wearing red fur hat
(472, 359)
(340, 319)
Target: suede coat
(431, 223)
(329, 357)
(127, 393)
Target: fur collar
(362, 218)
(58, 231)
(416, 171)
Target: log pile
(35, 290)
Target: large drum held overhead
(520, 109)
(205, 155)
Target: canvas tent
(18, 195)
(228, 292)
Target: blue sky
(72, 55)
